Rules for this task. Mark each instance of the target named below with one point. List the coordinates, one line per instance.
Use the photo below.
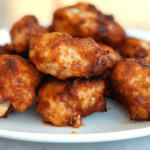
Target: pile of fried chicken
(72, 65)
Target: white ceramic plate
(107, 126)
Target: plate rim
(75, 138)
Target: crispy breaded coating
(136, 48)
(18, 80)
(64, 103)
(109, 92)
(62, 56)
(131, 81)
(21, 32)
(84, 20)
(9, 49)
(112, 53)
(6, 49)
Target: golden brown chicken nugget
(109, 92)
(18, 80)
(136, 48)
(9, 49)
(6, 49)
(131, 81)
(84, 20)
(21, 32)
(64, 103)
(62, 56)
(112, 53)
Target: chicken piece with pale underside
(18, 80)
(84, 20)
(63, 56)
(66, 102)
(131, 81)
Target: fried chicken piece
(62, 56)
(49, 29)
(131, 81)
(18, 80)
(136, 48)
(6, 49)
(64, 103)
(4, 106)
(112, 53)
(21, 32)
(109, 92)
(84, 20)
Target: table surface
(141, 143)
